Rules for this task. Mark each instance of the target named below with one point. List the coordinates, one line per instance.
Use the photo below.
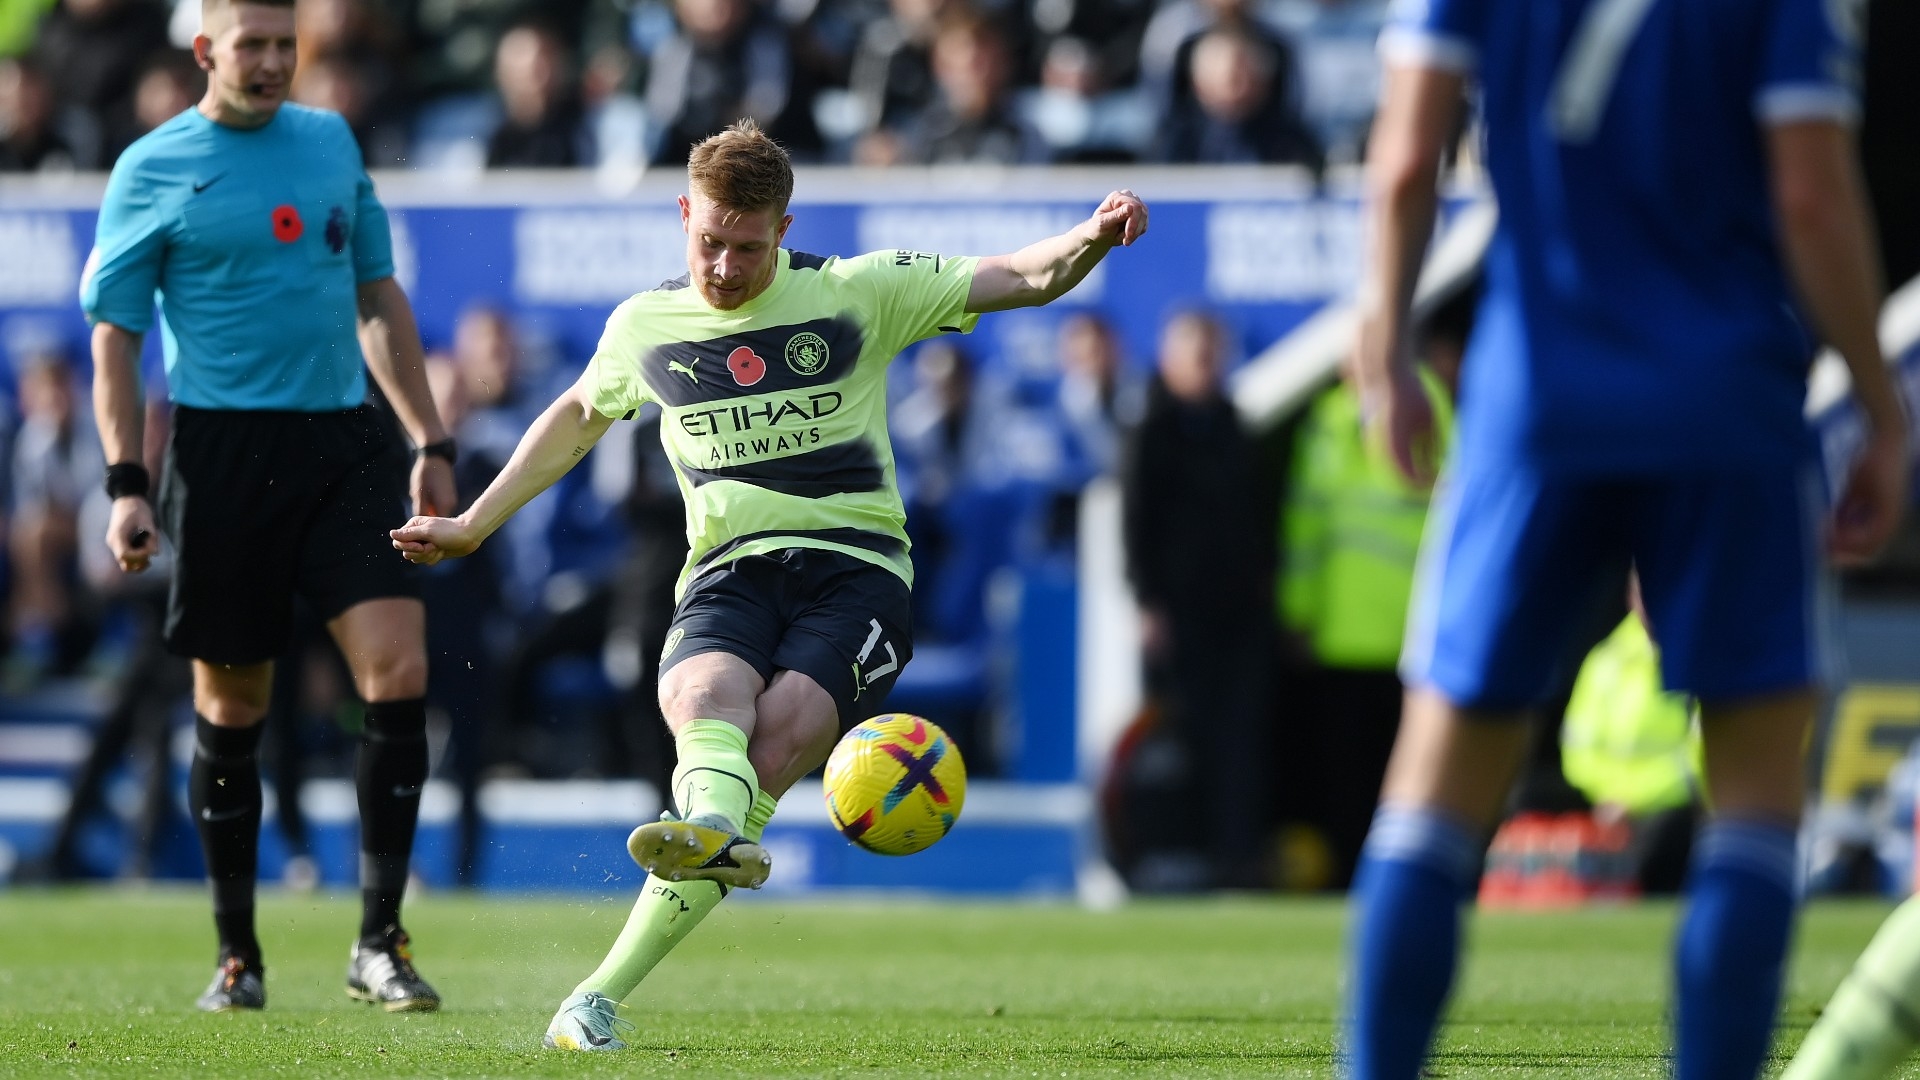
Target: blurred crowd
(470, 84)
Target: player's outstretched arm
(561, 436)
(1827, 235)
(1418, 112)
(391, 341)
(1044, 272)
(119, 413)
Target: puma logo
(685, 369)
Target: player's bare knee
(701, 699)
(230, 710)
(396, 675)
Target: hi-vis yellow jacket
(1351, 531)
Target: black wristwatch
(446, 449)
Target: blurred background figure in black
(1197, 557)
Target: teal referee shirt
(254, 243)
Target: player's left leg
(1730, 954)
(794, 730)
(370, 602)
(384, 642)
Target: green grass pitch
(100, 982)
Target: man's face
(730, 253)
(249, 57)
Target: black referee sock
(389, 774)
(223, 794)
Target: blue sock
(1732, 948)
(1416, 869)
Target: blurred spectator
(56, 466)
(1172, 30)
(452, 44)
(1100, 398)
(352, 62)
(170, 84)
(486, 356)
(729, 60)
(941, 438)
(972, 119)
(148, 686)
(642, 596)
(335, 81)
(616, 115)
(1080, 116)
(891, 75)
(1339, 69)
(543, 123)
(29, 141)
(92, 51)
(1109, 29)
(1238, 110)
(354, 28)
(468, 629)
(1196, 552)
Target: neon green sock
(714, 776)
(662, 918)
(759, 814)
(1864, 1032)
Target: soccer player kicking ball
(770, 368)
(255, 223)
(1680, 219)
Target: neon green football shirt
(775, 413)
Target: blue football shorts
(1518, 567)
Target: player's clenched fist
(427, 540)
(1121, 218)
(130, 534)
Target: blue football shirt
(255, 242)
(1638, 313)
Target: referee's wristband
(446, 449)
(127, 478)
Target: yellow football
(895, 784)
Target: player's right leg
(231, 520)
(223, 795)
(1513, 567)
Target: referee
(255, 224)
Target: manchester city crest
(807, 353)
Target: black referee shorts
(263, 505)
(843, 622)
